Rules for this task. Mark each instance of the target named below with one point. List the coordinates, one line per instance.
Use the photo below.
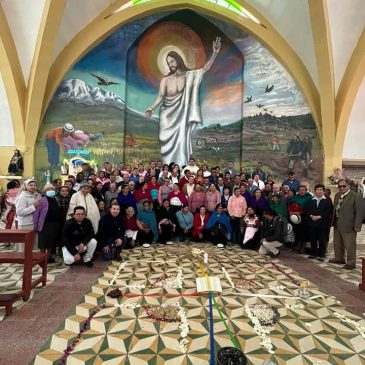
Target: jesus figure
(180, 111)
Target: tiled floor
(11, 278)
(307, 333)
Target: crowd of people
(119, 208)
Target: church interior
(270, 73)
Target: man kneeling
(78, 239)
(111, 233)
(272, 234)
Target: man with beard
(180, 110)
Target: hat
(85, 184)
(48, 186)
(68, 127)
(295, 219)
(27, 182)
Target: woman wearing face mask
(26, 204)
(47, 221)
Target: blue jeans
(114, 251)
(53, 152)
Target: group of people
(119, 208)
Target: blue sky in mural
(260, 69)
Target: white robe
(179, 115)
(91, 208)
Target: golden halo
(161, 58)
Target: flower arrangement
(84, 327)
(360, 328)
(242, 283)
(170, 281)
(262, 315)
(117, 272)
(228, 277)
(294, 306)
(136, 286)
(197, 252)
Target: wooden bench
(28, 258)
(362, 284)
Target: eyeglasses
(342, 186)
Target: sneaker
(146, 245)
(89, 264)
(220, 245)
(169, 242)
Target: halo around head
(161, 58)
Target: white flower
(228, 277)
(117, 272)
(136, 286)
(360, 328)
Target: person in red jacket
(201, 218)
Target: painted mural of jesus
(180, 111)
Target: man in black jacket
(317, 213)
(111, 233)
(78, 239)
(272, 234)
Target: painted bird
(259, 105)
(268, 89)
(104, 81)
(248, 99)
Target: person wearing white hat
(55, 141)
(26, 204)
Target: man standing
(317, 212)
(347, 220)
(192, 167)
(111, 233)
(180, 112)
(259, 171)
(230, 168)
(78, 239)
(292, 182)
(84, 199)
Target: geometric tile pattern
(306, 334)
(11, 278)
(352, 276)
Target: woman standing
(237, 208)
(164, 191)
(47, 221)
(212, 198)
(12, 192)
(177, 198)
(259, 203)
(199, 179)
(26, 204)
(196, 199)
(141, 195)
(189, 187)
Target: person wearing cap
(55, 141)
(26, 204)
(84, 199)
(47, 221)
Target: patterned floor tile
(308, 332)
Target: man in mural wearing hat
(55, 140)
(180, 111)
(296, 151)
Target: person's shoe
(220, 245)
(117, 258)
(322, 259)
(169, 242)
(146, 245)
(311, 257)
(89, 264)
(133, 243)
(334, 261)
(51, 260)
(349, 267)
(275, 255)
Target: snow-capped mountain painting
(78, 91)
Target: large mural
(175, 85)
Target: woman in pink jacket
(212, 198)
(237, 208)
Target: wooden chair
(28, 258)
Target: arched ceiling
(295, 20)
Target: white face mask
(50, 193)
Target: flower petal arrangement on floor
(159, 317)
